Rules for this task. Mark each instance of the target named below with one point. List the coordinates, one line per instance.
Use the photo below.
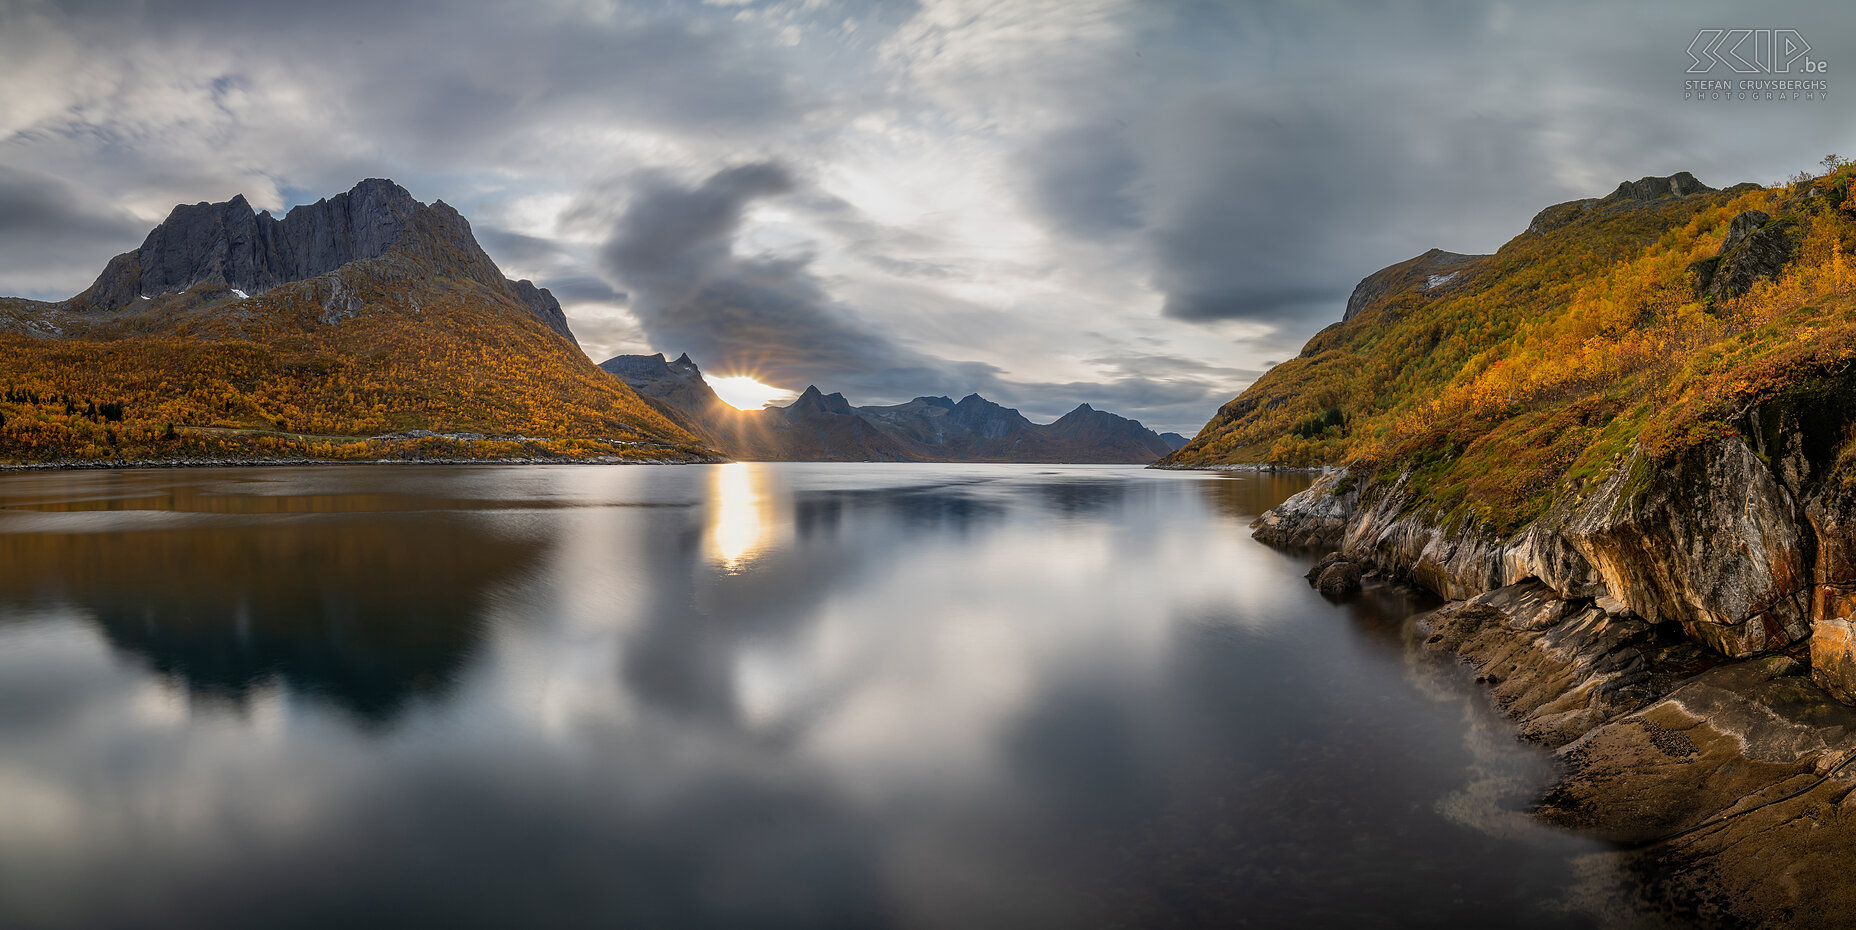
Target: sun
(744, 393)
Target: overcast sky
(1139, 205)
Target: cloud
(49, 233)
(674, 248)
(889, 198)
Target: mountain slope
(1596, 409)
(1641, 498)
(206, 343)
(1416, 341)
(826, 427)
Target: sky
(1137, 205)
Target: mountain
(1174, 441)
(365, 325)
(1645, 396)
(1434, 324)
(827, 427)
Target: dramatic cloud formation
(766, 315)
(1135, 204)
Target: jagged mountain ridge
(820, 426)
(231, 245)
(413, 345)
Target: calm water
(741, 695)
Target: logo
(1753, 51)
(1754, 64)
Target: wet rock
(1559, 669)
(1339, 579)
(1314, 516)
(1529, 605)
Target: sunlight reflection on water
(736, 695)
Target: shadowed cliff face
(229, 246)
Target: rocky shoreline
(1679, 636)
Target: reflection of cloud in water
(909, 700)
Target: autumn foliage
(1569, 348)
(207, 375)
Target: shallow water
(740, 695)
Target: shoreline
(1727, 783)
(146, 464)
(1256, 467)
(151, 464)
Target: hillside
(827, 427)
(1634, 480)
(363, 326)
(1653, 317)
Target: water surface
(742, 695)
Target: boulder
(1339, 579)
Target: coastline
(1728, 782)
(144, 464)
(1254, 467)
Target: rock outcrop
(1756, 248)
(1629, 193)
(1680, 633)
(1713, 543)
(1430, 271)
(229, 247)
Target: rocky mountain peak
(235, 247)
(815, 401)
(1680, 184)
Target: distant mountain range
(369, 325)
(827, 427)
(362, 326)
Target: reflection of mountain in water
(1247, 495)
(366, 612)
